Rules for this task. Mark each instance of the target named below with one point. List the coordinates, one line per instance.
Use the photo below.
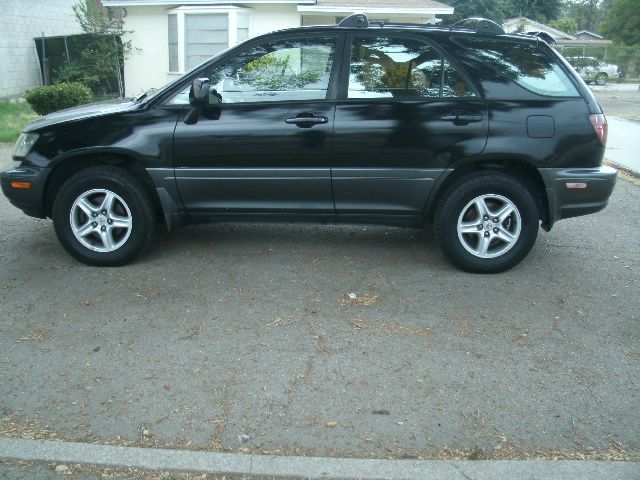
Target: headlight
(24, 144)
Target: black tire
(496, 187)
(601, 79)
(132, 203)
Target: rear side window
(531, 67)
(387, 67)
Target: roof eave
(154, 3)
(364, 9)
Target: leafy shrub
(50, 98)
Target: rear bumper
(29, 200)
(566, 201)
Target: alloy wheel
(101, 220)
(489, 226)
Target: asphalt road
(244, 338)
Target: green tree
(566, 24)
(539, 10)
(623, 22)
(500, 10)
(588, 13)
(491, 9)
(102, 51)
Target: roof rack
(479, 25)
(359, 20)
(542, 36)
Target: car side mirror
(199, 93)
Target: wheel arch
(520, 169)
(65, 166)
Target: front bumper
(29, 200)
(577, 191)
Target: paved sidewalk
(623, 146)
(616, 87)
(5, 154)
(309, 467)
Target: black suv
(482, 134)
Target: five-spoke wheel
(101, 220)
(486, 222)
(103, 216)
(489, 226)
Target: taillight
(599, 122)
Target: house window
(243, 27)
(205, 35)
(173, 43)
(197, 34)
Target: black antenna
(359, 20)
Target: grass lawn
(13, 118)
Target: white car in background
(592, 69)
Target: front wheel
(601, 79)
(103, 216)
(486, 223)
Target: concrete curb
(629, 171)
(310, 467)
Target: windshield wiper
(142, 96)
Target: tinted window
(454, 85)
(400, 68)
(526, 64)
(288, 70)
(278, 71)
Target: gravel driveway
(245, 338)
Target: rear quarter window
(527, 64)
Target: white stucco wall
(148, 66)
(20, 22)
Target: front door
(404, 114)
(265, 149)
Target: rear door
(404, 113)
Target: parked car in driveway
(484, 135)
(591, 69)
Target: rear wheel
(486, 223)
(103, 216)
(601, 79)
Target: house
(587, 35)
(172, 37)
(21, 22)
(526, 25)
(583, 43)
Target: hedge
(50, 98)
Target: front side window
(279, 71)
(526, 64)
(285, 70)
(384, 67)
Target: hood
(81, 112)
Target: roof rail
(479, 25)
(359, 20)
(542, 36)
